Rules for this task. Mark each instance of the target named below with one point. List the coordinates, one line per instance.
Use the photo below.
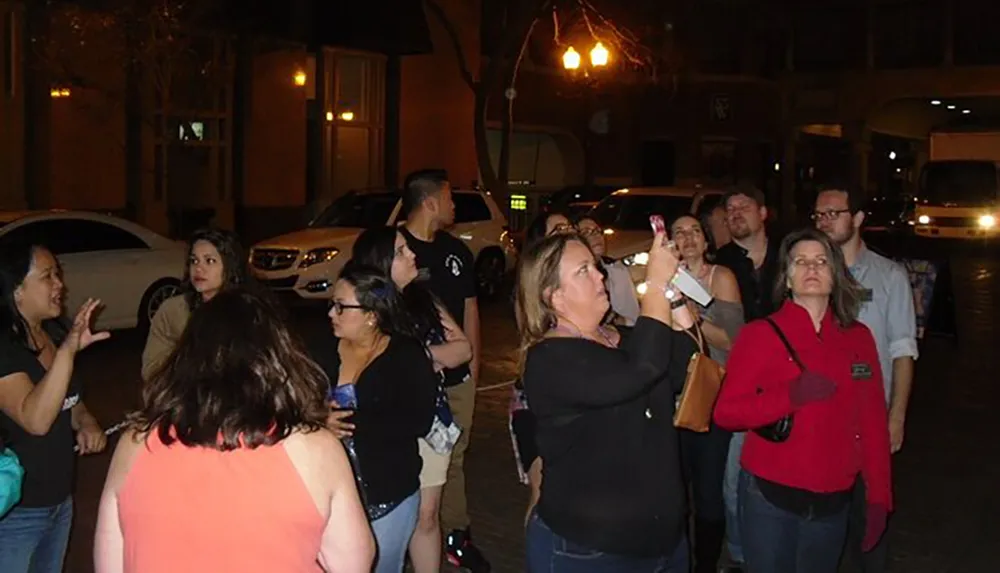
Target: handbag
(701, 389)
(779, 431)
(11, 478)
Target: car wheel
(489, 274)
(155, 296)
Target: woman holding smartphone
(613, 496)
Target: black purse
(779, 431)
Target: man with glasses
(753, 258)
(888, 311)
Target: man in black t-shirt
(430, 210)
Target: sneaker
(463, 554)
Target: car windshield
(628, 212)
(967, 183)
(360, 210)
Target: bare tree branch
(456, 42)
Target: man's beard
(742, 233)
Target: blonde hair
(538, 278)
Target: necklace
(602, 331)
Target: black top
(48, 460)
(756, 285)
(612, 476)
(452, 280)
(396, 396)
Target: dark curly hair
(235, 268)
(237, 378)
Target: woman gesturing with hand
(41, 410)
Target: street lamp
(571, 59)
(599, 57)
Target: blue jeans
(730, 493)
(393, 532)
(547, 552)
(34, 539)
(778, 541)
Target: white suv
(624, 216)
(307, 262)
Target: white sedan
(130, 268)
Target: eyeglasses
(340, 307)
(811, 263)
(562, 228)
(590, 232)
(828, 215)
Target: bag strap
(699, 339)
(788, 345)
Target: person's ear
(858, 219)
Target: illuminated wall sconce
(300, 78)
(329, 116)
(59, 92)
(347, 115)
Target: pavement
(946, 477)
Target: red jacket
(831, 441)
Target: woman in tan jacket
(216, 262)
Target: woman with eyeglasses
(383, 399)
(812, 367)
(617, 279)
(386, 249)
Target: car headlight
(316, 256)
(636, 260)
(924, 220)
(987, 221)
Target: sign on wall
(721, 108)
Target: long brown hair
(845, 298)
(237, 378)
(538, 277)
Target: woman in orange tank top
(228, 465)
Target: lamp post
(573, 63)
(599, 58)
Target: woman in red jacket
(807, 381)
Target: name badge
(866, 295)
(861, 371)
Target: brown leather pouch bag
(701, 389)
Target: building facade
(256, 127)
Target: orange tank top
(201, 510)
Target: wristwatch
(676, 304)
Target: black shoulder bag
(779, 431)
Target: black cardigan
(396, 398)
(612, 478)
